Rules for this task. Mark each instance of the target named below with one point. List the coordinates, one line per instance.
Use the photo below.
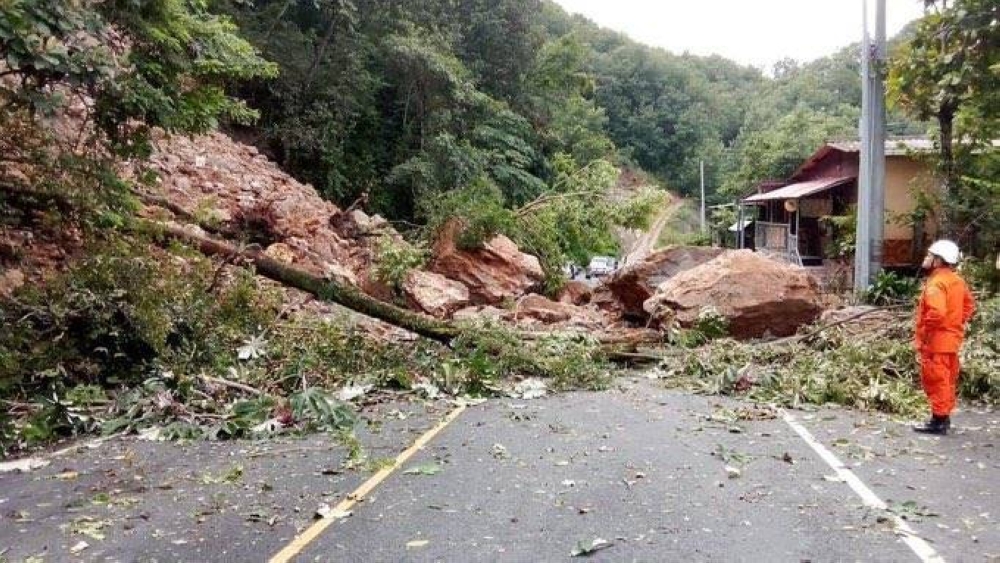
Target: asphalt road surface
(654, 474)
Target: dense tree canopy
(949, 72)
(399, 103)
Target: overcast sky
(753, 32)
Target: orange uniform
(946, 305)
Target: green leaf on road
(584, 547)
(425, 469)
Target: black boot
(938, 425)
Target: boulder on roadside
(758, 296)
(603, 299)
(434, 294)
(633, 284)
(539, 307)
(475, 313)
(575, 293)
(536, 309)
(495, 271)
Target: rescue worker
(945, 306)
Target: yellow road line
(312, 532)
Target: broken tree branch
(530, 206)
(845, 320)
(231, 384)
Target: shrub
(891, 288)
(394, 258)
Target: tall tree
(951, 67)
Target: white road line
(924, 551)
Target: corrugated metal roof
(799, 189)
(893, 147)
(899, 147)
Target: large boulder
(538, 309)
(542, 308)
(479, 313)
(434, 294)
(758, 296)
(575, 293)
(493, 272)
(633, 284)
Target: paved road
(641, 467)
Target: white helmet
(947, 251)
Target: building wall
(902, 175)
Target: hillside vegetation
(501, 116)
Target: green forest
(399, 103)
(403, 101)
(511, 116)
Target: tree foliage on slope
(411, 105)
(83, 83)
(160, 63)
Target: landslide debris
(758, 296)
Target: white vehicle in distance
(601, 266)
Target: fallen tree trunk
(356, 300)
(325, 289)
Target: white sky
(752, 32)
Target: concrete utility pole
(871, 174)
(704, 226)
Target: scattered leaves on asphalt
(90, 527)
(326, 511)
(76, 549)
(584, 548)
(424, 469)
(909, 509)
(234, 475)
(499, 451)
(730, 456)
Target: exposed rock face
(575, 293)
(434, 294)
(10, 280)
(250, 196)
(494, 272)
(635, 283)
(280, 252)
(759, 296)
